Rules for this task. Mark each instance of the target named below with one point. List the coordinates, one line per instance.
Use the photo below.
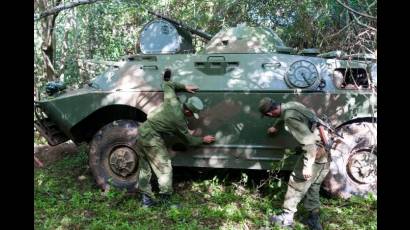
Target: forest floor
(66, 197)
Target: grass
(66, 197)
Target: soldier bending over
(168, 118)
(310, 169)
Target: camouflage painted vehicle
(237, 68)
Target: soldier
(169, 118)
(310, 169)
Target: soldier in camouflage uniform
(169, 118)
(310, 169)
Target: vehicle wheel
(112, 158)
(353, 170)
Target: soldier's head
(192, 107)
(270, 108)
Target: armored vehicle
(236, 69)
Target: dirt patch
(48, 154)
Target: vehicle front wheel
(112, 158)
(353, 170)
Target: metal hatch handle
(216, 59)
(153, 67)
(271, 65)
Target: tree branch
(371, 5)
(64, 6)
(362, 24)
(356, 12)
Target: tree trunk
(47, 45)
(49, 10)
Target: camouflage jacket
(298, 121)
(168, 118)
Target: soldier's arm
(275, 127)
(309, 156)
(183, 133)
(170, 88)
(301, 132)
(179, 86)
(278, 122)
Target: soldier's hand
(272, 130)
(191, 88)
(307, 174)
(208, 139)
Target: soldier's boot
(313, 220)
(147, 201)
(283, 220)
(165, 200)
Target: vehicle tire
(112, 158)
(353, 170)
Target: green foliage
(63, 201)
(38, 139)
(108, 30)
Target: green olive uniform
(297, 120)
(166, 119)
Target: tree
(75, 30)
(47, 27)
(48, 11)
(57, 8)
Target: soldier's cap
(195, 105)
(267, 104)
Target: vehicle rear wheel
(112, 158)
(353, 170)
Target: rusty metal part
(123, 161)
(38, 162)
(323, 135)
(362, 166)
(48, 129)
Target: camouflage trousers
(153, 154)
(298, 187)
